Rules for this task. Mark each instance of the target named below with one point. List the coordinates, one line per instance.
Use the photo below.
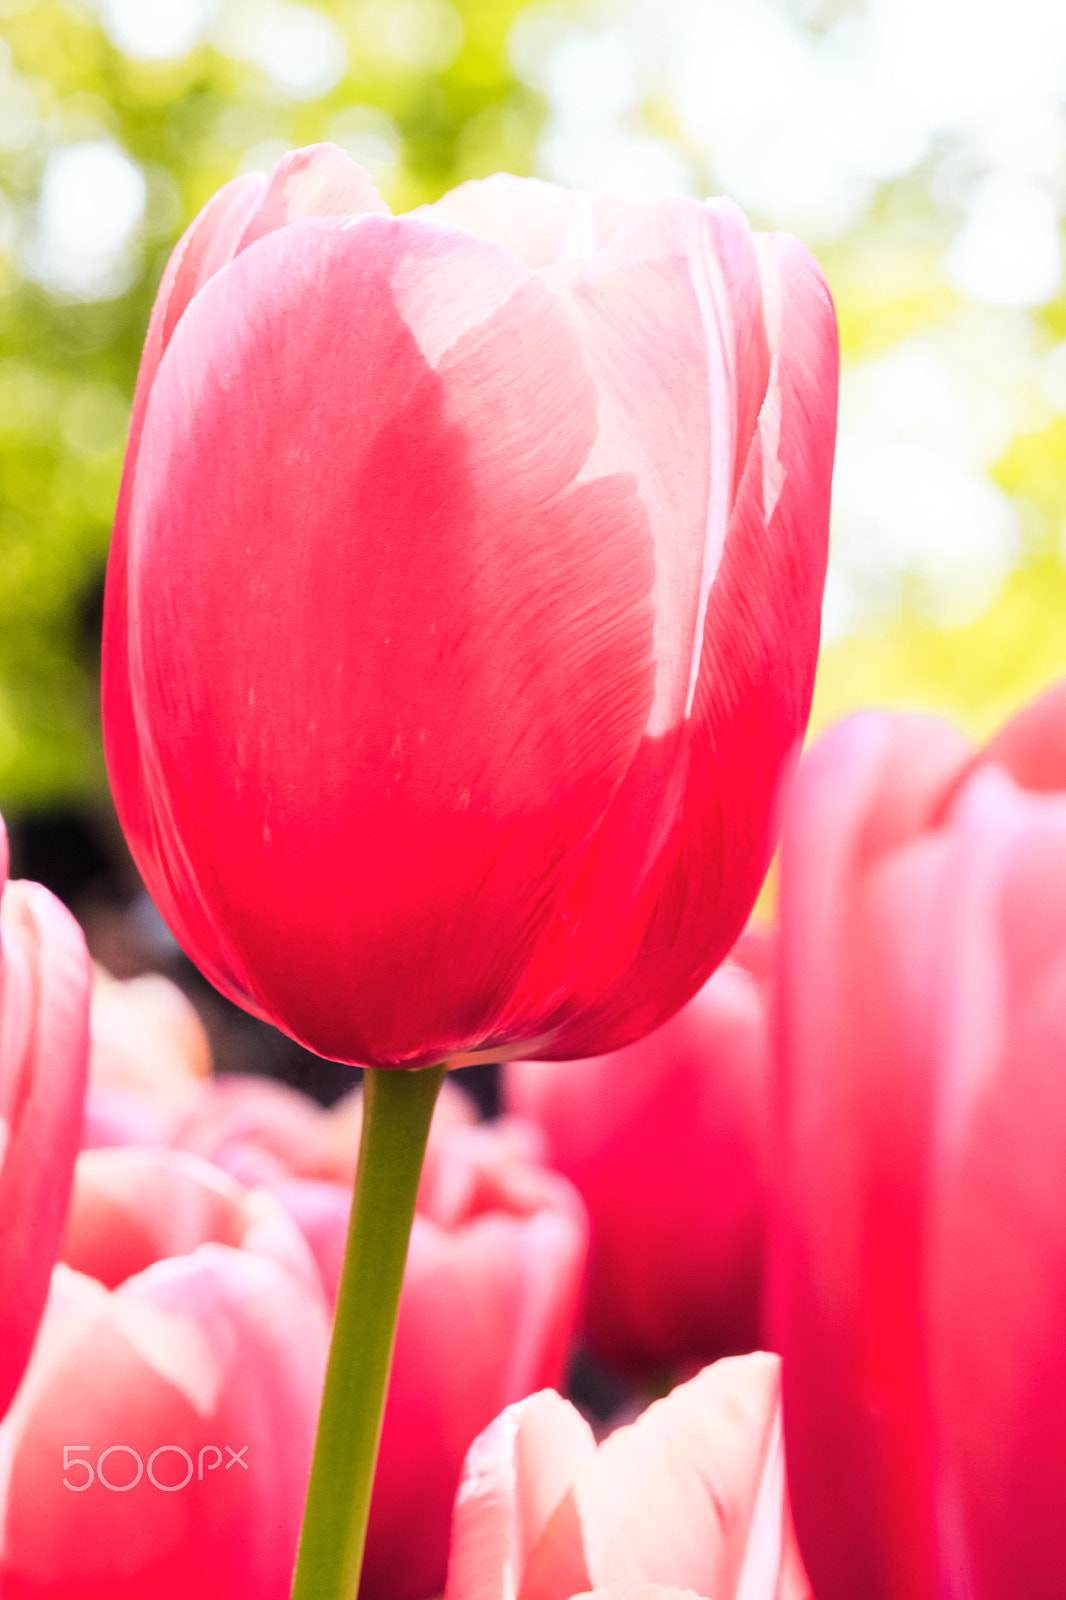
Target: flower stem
(397, 1110)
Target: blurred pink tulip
(148, 1060)
(525, 496)
(486, 1317)
(44, 1040)
(160, 1443)
(666, 1143)
(919, 1277)
(691, 1497)
(263, 1131)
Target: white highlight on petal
(443, 293)
(176, 1348)
(762, 1554)
(769, 428)
(715, 310)
(539, 222)
(654, 421)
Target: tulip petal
(660, 315)
(642, 1591)
(666, 1143)
(130, 1208)
(671, 321)
(1032, 745)
(538, 222)
(44, 1044)
(317, 181)
(858, 953)
(732, 758)
(672, 1498)
(515, 1475)
(552, 669)
(996, 1267)
(242, 211)
(193, 1356)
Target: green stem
(397, 1109)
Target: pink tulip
(666, 1143)
(486, 1317)
(160, 1443)
(44, 1041)
(920, 1240)
(463, 603)
(690, 1498)
(148, 1061)
(265, 1132)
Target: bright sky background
(803, 112)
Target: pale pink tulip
(148, 1061)
(666, 1143)
(265, 1132)
(159, 1445)
(44, 1039)
(691, 1497)
(920, 1235)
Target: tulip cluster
(524, 497)
(897, 1044)
(191, 1308)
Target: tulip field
(533, 678)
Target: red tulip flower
(463, 603)
(666, 1143)
(45, 979)
(159, 1446)
(920, 1246)
(690, 1500)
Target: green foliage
(976, 675)
(428, 98)
(425, 96)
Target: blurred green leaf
(420, 91)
